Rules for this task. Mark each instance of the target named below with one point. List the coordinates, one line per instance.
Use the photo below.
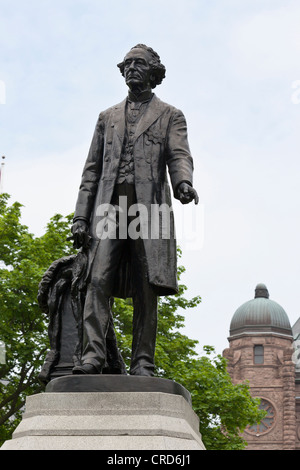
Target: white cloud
(45, 186)
(230, 68)
(267, 44)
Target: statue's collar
(142, 97)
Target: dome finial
(261, 291)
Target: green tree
(224, 409)
(23, 327)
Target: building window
(258, 354)
(267, 422)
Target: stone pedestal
(153, 414)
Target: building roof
(260, 315)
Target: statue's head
(142, 65)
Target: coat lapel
(153, 111)
(119, 120)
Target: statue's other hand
(187, 194)
(80, 235)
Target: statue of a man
(133, 144)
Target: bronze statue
(134, 143)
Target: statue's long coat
(160, 142)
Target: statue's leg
(144, 314)
(96, 313)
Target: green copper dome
(260, 315)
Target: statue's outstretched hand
(80, 234)
(187, 194)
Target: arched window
(258, 354)
(267, 422)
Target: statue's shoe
(85, 369)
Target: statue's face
(137, 70)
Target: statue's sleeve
(179, 159)
(91, 174)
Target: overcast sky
(232, 68)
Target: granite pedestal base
(153, 414)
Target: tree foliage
(224, 409)
(23, 327)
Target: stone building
(263, 351)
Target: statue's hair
(158, 70)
